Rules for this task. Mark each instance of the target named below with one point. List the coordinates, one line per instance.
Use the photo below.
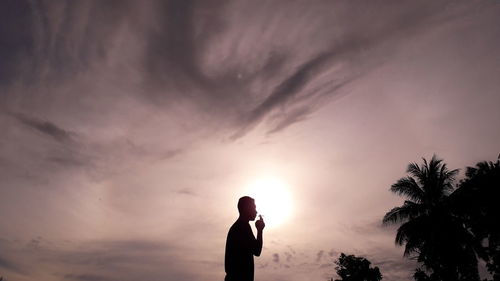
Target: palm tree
(476, 201)
(429, 231)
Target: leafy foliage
(431, 233)
(352, 268)
(476, 202)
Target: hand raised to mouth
(259, 224)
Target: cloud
(103, 260)
(59, 146)
(169, 48)
(11, 266)
(319, 255)
(114, 253)
(18, 42)
(333, 253)
(276, 258)
(45, 127)
(65, 38)
(395, 269)
(177, 37)
(186, 191)
(114, 97)
(85, 277)
(282, 95)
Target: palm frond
(471, 172)
(408, 211)
(393, 216)
(446, 178)
(401, 236)
(408, 187)
(412, 233)
(417, 172)
(412, 246)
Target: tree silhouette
(352, 268)
(429, 230)
(420, 275)
(476, 202)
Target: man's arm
(260, 229)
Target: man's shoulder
(239, 226)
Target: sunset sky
(129, 129)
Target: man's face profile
(247, 208)
(252, 211)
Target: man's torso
(240, 245)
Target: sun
(273, 200)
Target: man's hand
(259, 224)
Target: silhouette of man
(241, 244)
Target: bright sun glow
(273, 200)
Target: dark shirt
(241, 246)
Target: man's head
(247, 208)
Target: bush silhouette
(352, 268)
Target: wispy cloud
(110, 111)
(86, 277)
(101, 260)
(319, 255)
(46, 127)
(169, 43)
(10, 266)
(276, 258)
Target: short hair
(244, 202)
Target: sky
(129, 129)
